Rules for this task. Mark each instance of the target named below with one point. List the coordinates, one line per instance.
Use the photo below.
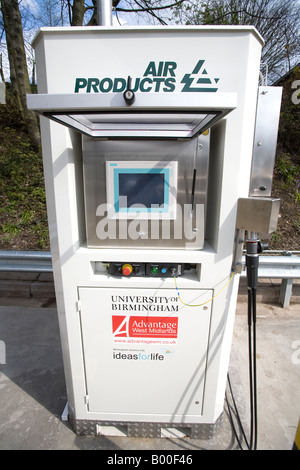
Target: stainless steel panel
(104, 12)
(95, 155)
(89, 427)
(265, 140)
(258, 214)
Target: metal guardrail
(278, 267)
(286, 267)
(26, 261)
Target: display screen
(147, 189)
(141, 189)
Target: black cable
(252, 443)
(254, 371)
(237, 415)
(250, 365)
(232, 422)
(252, 270)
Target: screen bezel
(168, 169)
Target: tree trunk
(78, 10)
(18, 66)
(1, 69)
(94, 19)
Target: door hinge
(86, 399)
(78, 306)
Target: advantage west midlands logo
(144, 329)
(158, 77)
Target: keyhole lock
(128, 94)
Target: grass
(22, 195)
(290, 174)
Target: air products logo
(144, 329)
(199, 80)
(162, 76)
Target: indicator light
(154, 269)
(126, 269)
(164, 270)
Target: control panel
(145, 269)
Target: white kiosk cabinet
(142, 194)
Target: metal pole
(104, 9)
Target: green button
(154, 269)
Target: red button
(126, 269)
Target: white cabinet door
(144, 351)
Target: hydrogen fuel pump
(153, 175)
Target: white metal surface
(229, 57)
(112, 102)
(162, 115)
(169, 356)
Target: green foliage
(289, 131)
(11, 228)
(23, 220)
(10, 115)
(286, 169)
(289, 172)
(276, 238)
